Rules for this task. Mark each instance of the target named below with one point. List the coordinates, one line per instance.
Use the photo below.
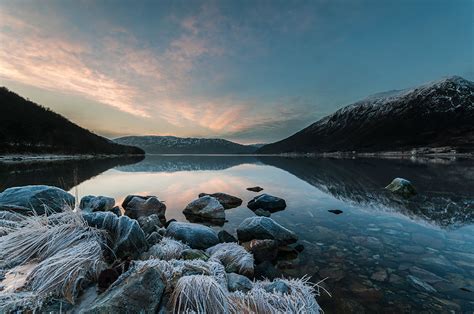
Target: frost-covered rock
(226, 200)
(225, 236)
(401, 187)
(195, 235)
(126, 236)
(137, 206)
(236, 282)
(167, 249)
(29, 199)
(150, 224)
(267, 202)
(264, 228)
(91, 203)
(206, 207)
(234, 257)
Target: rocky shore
(97, 257)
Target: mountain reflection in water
(383, 253)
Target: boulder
(225, 237)
(91, 203)
(27, 200)
(206, 207)
(150, 224)
(137, 206)
(262, 250)
(267, 202)
(134, 292)
(236, 282)
(126, 236)
(264, 228)
(226, 200)
(195, 235)
(255, 189)
(401, 187)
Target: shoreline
(19, 158)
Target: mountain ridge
(433, 115)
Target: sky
(248, 71)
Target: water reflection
(381, 254)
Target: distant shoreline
(19, 158)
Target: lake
(382, 253)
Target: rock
(150, 224)
(264, 228)
(267, 202)
(226, 237)
(136, 206)
(196, 236)
(206, 207)
(419, 284)
(395, 279)
(299, 248)
(335, 211)
(153, 238)
(401, 187)
(28, 199)
(262, 212)
(134, 292)
(278, 286)
(425, 275)
(255, 189)
(368, 242)
(234, 258)
(266, 270)
(380, 275)
(226, 200)
(333, 273)
(127, 238)
(236, 282)
(167, 249)
(262, 250)
(194, 254)
(116, 210)
(91, 203)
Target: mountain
(436, 115)
(26, 127)
(178, 145)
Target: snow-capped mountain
(435, 115)
(179, 145)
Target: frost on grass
(167, 249)
(234, 257)
(65, 251)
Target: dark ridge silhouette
(186, 145)
(437, 117)
(64, 174)
(26, 127)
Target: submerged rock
(255, 189)
(420, 284)
(91, 203)
(134, 292)
(226, 200)
(39, 199)
(267, 202)
(236, 282)
(264, 228)
(127, 238)
(262, 250)
(206, 207)
(195, 235)
(401, 187)
(335, 211)
(137, 206)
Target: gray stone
(267, 202)
(136, 206)
(401, 187)
(150, 224)
(236, 282)
(195, 235)
(278, 286)
(91, 203)
(226, 200)
(262, 250)
(420, 284)
(206, 207)
(264, 228)
(27, 200)
(134, 292)
(153, 238)
(127, 238)
(226, 237)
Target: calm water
(381, 254)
